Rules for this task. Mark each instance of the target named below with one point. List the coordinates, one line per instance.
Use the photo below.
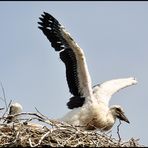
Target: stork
(90, 105)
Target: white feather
(104, 92)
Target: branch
(4, 96)
(7, 109)
(118, 130)
(42, 138)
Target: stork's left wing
(103, 92)
(72, 55)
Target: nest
(53, 133)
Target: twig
(31, 145)
(39, 118)
(118, 130)
(5, 100)
(40, 113)
(27, 113)
(47, 120)
(7, 109)
(4, 95)
(42, 138)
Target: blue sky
(114, 37)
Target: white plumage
(15, 108)
(90, 105)
(97, 114)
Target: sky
(114, 37)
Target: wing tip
(75, 102)
(133, 80)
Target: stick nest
(53, 133)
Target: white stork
(90, 105)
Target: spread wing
(72, 55)
(104, 91)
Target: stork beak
(123, 117)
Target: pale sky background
(114, 36)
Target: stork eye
(118, 109)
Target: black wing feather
(68, 57)
(52, 30)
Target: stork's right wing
(103, 92)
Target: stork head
(118, 112)
(15, 108)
